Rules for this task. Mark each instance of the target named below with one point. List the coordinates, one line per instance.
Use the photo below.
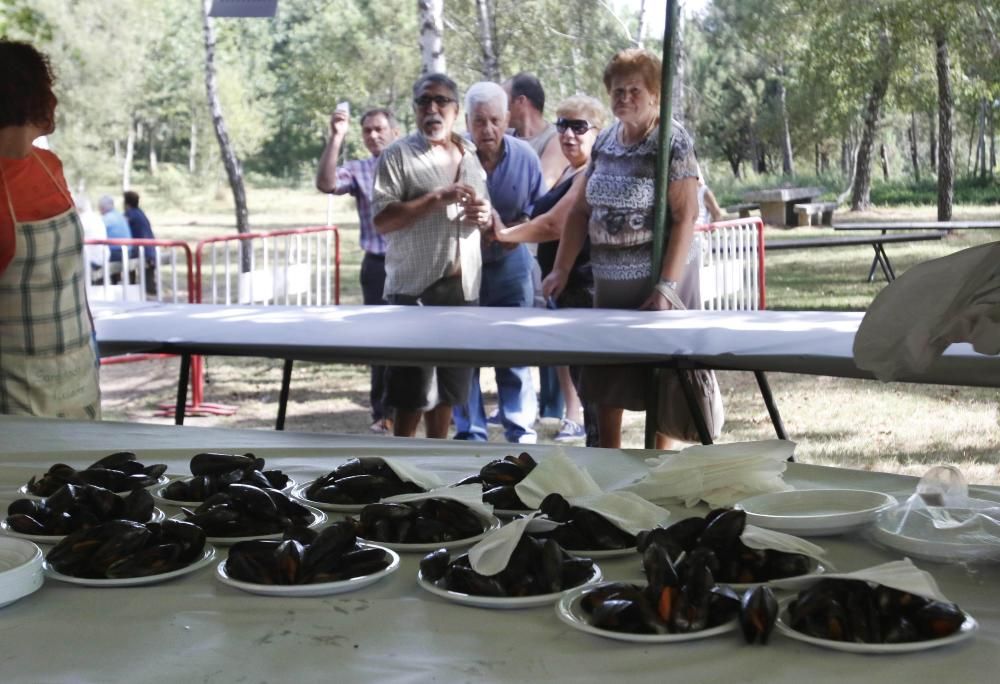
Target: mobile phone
(344, 107)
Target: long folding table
(809, 342)
(194, 628)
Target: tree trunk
(787, 167)
(484, 22)
(129, 155)
(640, 30)
(993, 142)
(431, 16)
(680, 69)
(153, 160)
(914, 157)
(845, 157)
(229, 159)
(884, 159)
(946, 174)
(193, 148)
(816, 156)
(824, 166)
(862, 188)
(933, 140)
(981, 146)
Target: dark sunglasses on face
(424, 101)
(578, 126)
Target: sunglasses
(578, 126)
(424, 101)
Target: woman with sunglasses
(48, 361)
(614, 208)
(579, 119)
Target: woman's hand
(554, 283)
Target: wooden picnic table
(777, 206)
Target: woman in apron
(48, 359)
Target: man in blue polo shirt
(514, 179)
(356, 178)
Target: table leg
(286, 383)
(694, 407)
(772, 407)
(890, 273)
(182, 389)
(652, 408)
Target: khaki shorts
(420, 388)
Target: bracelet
(667, 288)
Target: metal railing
(731, 264)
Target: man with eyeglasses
(527, 105)
(515, 182)
(356, 178)
(429, 203)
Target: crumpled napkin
(555, 473)
(492, 553)
(760, 538)
(902, 575)
(719, 474)
(471, 495)
(625, 510)
(913, 319)
(410, 473)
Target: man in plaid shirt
(356, 177)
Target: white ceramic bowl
(20, 569)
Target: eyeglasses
(578, 126)
(424, 101)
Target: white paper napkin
(491, 554)
(719, 474)
(555, 473)
(471, 495)
(625, 510)
(410, 473)
(902, 575)
(760, 538)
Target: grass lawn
(858, 424)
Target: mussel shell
(434, 565)
(758, 614)
(213, 463)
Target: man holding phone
(429, 203)
(356, 178)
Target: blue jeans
(506, 282)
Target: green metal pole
(662, 182)
(666, 130)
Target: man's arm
(326, 177)
(553, 162)
(712, 204)
(400, 214)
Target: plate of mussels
(581, 531)
(613, 610)
(860, 617)
(122, 553)
(354, 484)
(307, 563)
(423, 526)
(244, 512)
(213, 472)
(74, 507)
(537, 578)
(119, 472)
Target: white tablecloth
(197, 629)
(812, 342)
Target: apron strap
(6, 191)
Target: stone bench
(743, 209)
(821, 211)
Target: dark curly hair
(26, 95)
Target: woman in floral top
(615, 207)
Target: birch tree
(431, 14)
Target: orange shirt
(34, 196)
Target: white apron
(48, 359)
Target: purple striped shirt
(356, 178)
